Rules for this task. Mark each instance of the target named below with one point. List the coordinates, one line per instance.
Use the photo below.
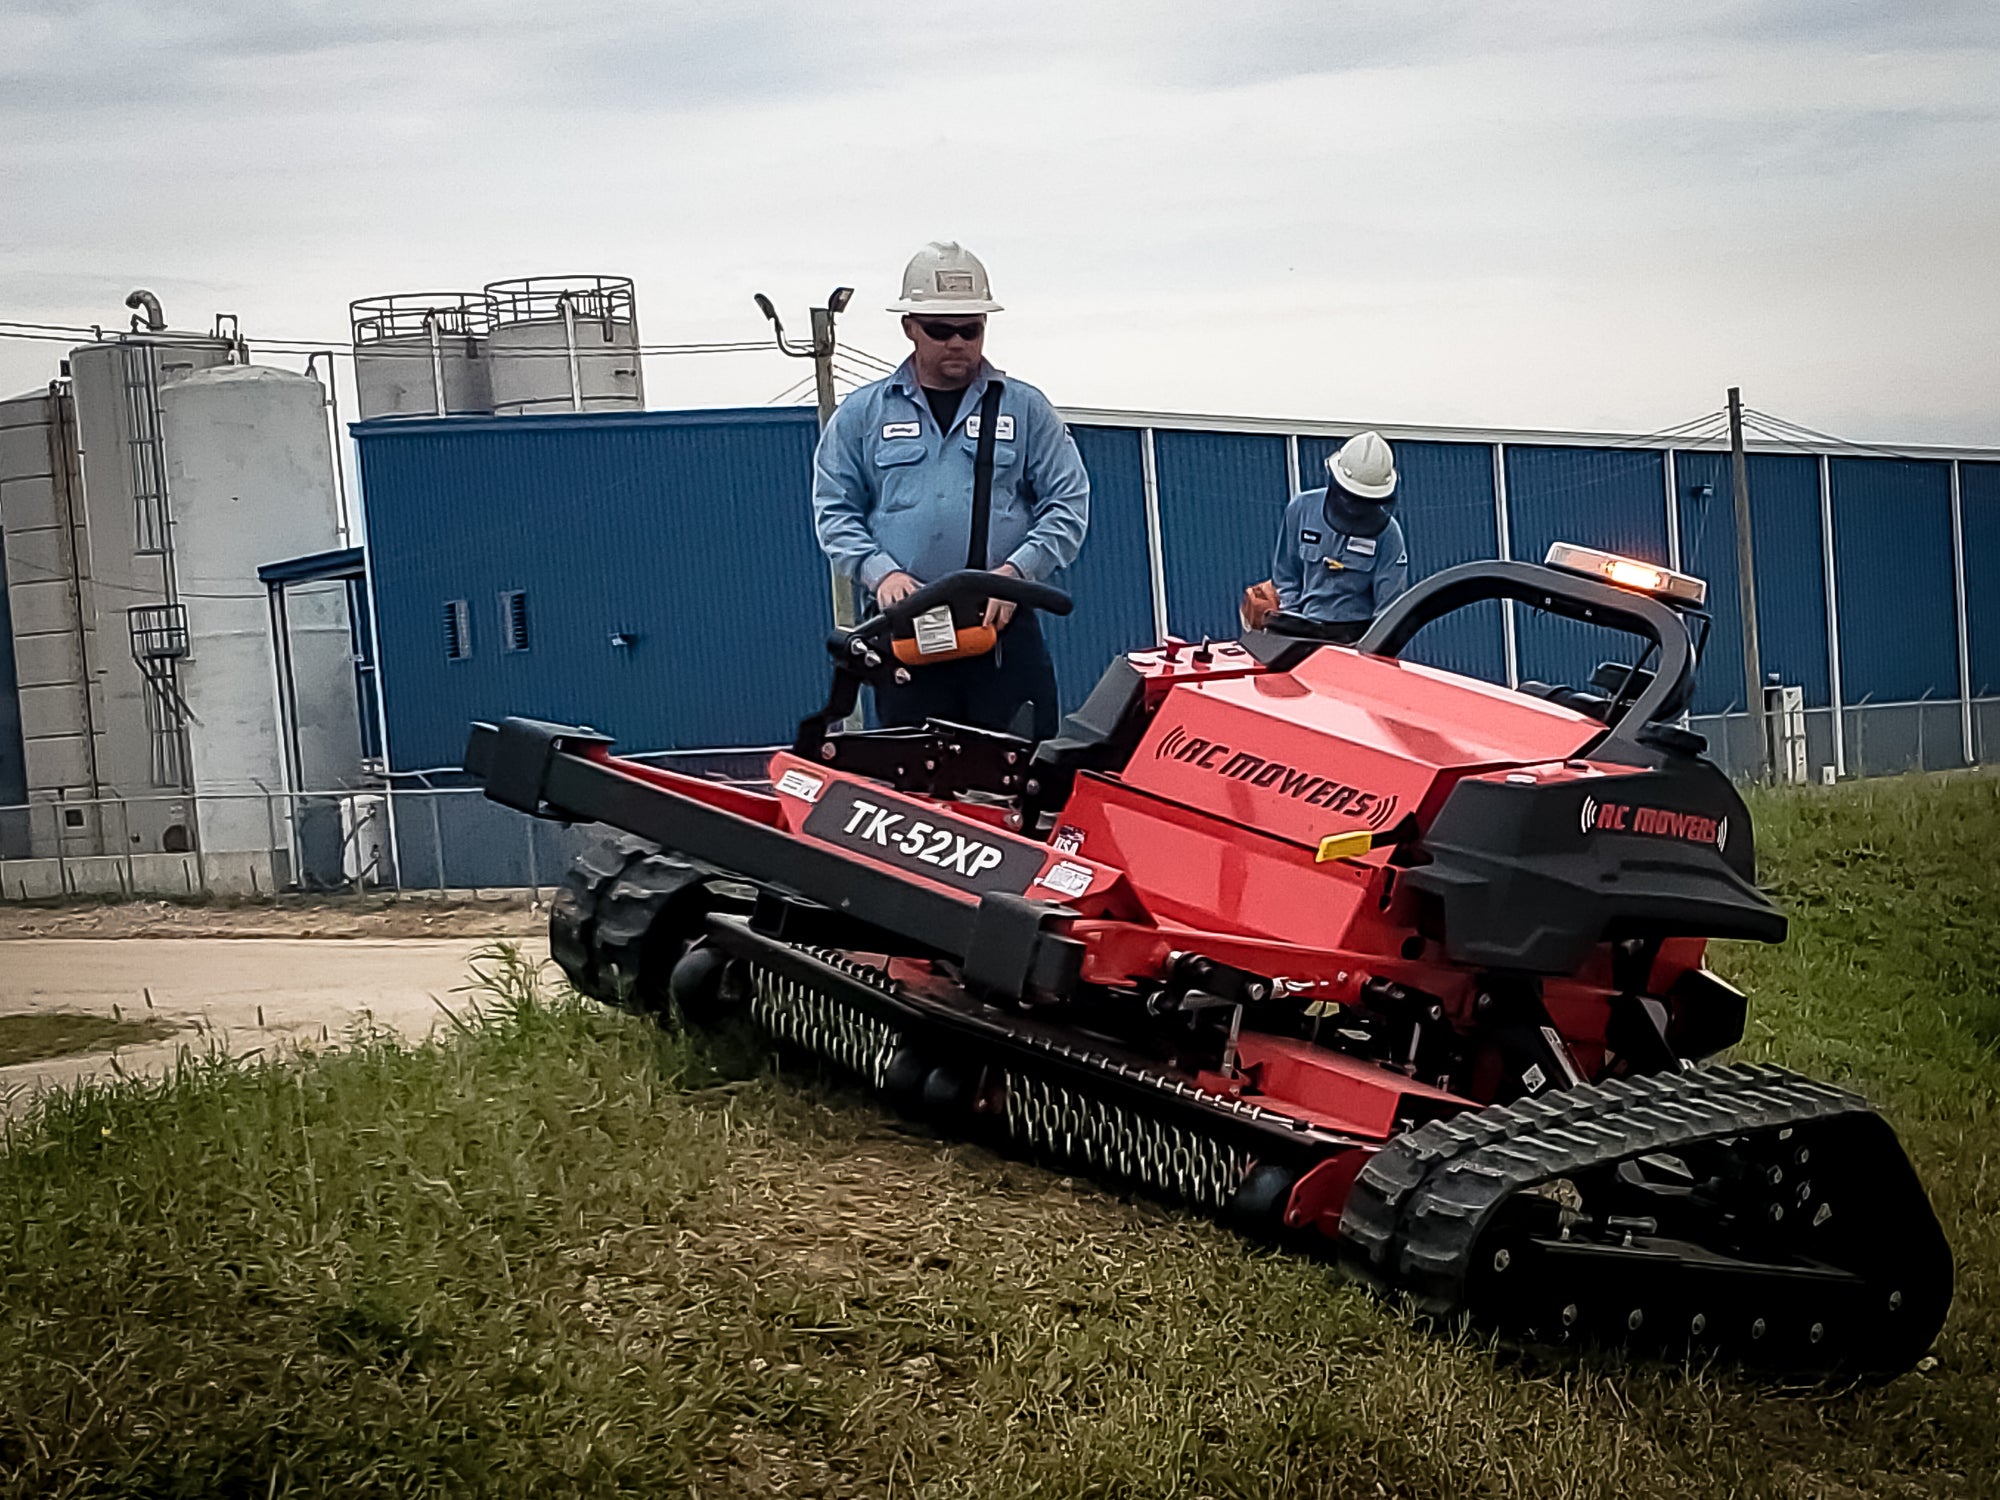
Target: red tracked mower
(1328, 942)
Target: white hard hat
(1364, 466)
(945, 277)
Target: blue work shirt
(891, 493)
(1333, 576)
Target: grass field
(564, 1254)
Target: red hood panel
(1344, 741)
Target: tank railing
(533, 299)
(408, 315)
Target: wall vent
(457, 630)
(514, 620)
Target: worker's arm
(843, 493)
(1287, 569)
(1392, 567)
(1059, 492)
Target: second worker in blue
(1340, 558)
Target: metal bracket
(515, 758)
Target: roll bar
(1570, 595)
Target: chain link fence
(452, 839)
(259, 844)
(1874, 739)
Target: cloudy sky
(1579, 215)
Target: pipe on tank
(156, 321)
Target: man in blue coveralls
(893, 497)
(1340, 558)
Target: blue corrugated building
(654, 573)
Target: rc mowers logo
(1653, 822)
(1371, 808)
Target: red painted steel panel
(1343, 741)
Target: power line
(1809, 437)
(1678, 430)
(60, 333)
(790, 392)
(16, 566)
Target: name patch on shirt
(1310, 538)
(1003, 427)
(901, 430)
(1365, 545)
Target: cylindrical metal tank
(565, 343)
(252, 481)
(126, 550)
(421, 354)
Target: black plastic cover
(1532, 876)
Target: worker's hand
(1260, 601)
(1000, 611)
(894, 589)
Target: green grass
(34, 1038)
(565, 1254)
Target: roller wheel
(622, 918)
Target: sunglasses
(944, 333)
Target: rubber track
(602, 916)
(1417, 1209)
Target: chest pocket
(1006, 452)
(896, 472)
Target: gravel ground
(390, 916)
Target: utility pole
(820, 351)
(1746, 589)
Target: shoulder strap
(982, 475)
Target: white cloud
(1513, 214)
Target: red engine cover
(1344, 741)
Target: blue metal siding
(690, 531)
(1979, 507)
(1893, 577)
(1222, 496)
(1791, 572)
(1613, 498)
(1110, 580)
(1445, 505)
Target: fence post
(124, 841)
(437, 840)
(194, 829)
(271, 836)
(534, 876)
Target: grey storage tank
(422, 354)
(564, 343)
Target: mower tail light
(1629, 573)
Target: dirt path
(245, 996)
(416, 916)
